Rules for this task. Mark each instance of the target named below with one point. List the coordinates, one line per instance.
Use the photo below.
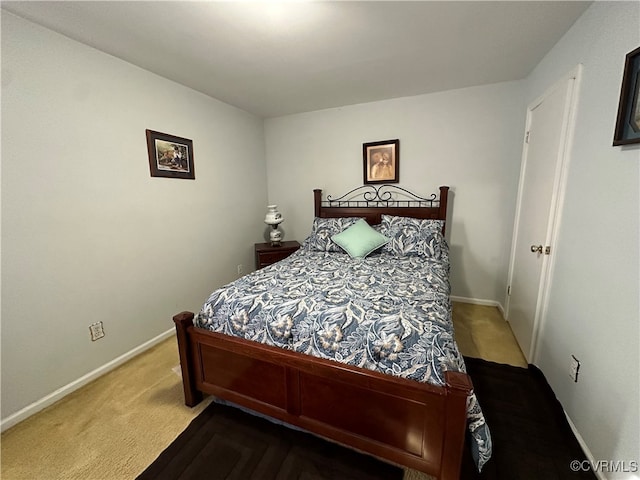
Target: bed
(359, 349)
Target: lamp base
(275, 236)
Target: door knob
(536, 248)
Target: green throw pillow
(359, 240)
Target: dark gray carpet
(532, 439)
(224, 442)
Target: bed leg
(458, 387)
(183, 321)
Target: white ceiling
(277, 58)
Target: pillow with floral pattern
(414, 236)
(323, 229)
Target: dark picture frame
(170, 156)
(381, 161)
(628, 121)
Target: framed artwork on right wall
(628, 122)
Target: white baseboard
(584, 447)
(50, 399)
(479, 301)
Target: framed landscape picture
(381, 161)
(628, 121)
(170, 156)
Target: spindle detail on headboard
(372, 201)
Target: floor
(117, 425)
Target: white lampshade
(273, 217)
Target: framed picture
(381, 161)
(628, 123)
(170, 156)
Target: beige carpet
(481, 332)
(116, 426)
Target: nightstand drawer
(273, 257)
(267, 255)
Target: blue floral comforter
(384, 312)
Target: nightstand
(266, 254)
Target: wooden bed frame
(409, 423)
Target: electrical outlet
(240, 269)
(97, 331)
(574, 368)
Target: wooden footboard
(406, 422)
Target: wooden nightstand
(266, 254)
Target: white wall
(87, 234)
(469, 139)
(593, 308)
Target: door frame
(557, 203)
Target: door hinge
(526, 138)
(509, 290)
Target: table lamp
(274, 218)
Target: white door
(541, 183)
